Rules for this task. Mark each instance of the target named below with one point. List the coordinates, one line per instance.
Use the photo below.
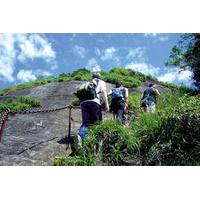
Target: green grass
(19, 103)
(108, 143)
(134, 101)
(171, 136)
(128, 77)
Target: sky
(25, 57)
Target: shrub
(171, 136)
(134, 100)
(126, 81)
(108, 143)
(19, 103)
(33, 102)
(75, 102)
(81, 75)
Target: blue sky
(24, 57)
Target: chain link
(4, 116)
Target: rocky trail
(36, 139)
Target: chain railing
(5, 114)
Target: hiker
(119, 102)
(89, 96)
(149, 97)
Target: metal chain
(4, 116)
(3, 119)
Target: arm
(126, 99)
(157, 92)
(109, 93)
(105, 99)
(104, 95)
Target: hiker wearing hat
(89, 96)
(119, 101)
(149, 98)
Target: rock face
(36, 139)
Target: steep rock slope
(35, 139)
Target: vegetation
(128, 77)
(19, 103)
(108, 143)
(171, 136)
(134, 101)
(186, 54)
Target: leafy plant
(19, 103)
(108, 143)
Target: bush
(19, 103)
(134, 100)
(75, 102)
(171, 136)
(81, 75)
(126, 81)
(108, 143)
(30, 100)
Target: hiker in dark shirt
(89, 95)
(149, 98)
(119, 103)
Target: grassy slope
(128, 77)
(169, 137)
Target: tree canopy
(186, 55)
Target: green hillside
(128, 77)
(171, 136)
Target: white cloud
(41, 72)
(53, 67)
(185, 75)
(80, 51)
(167, 77)
(108, 53)
(7, 57)
(137, 53)
(174, 75)
(93, 65)
(34, 46)
(143, 67)
(151, 34)
(29, 46)
(162, 38)
(97, 52)
(171, 75)
(100, 40)
(26, 75)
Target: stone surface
(34, 139)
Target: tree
(186, 55)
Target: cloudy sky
(24, 57)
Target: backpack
(118, 94)
(148, 97)
(87, 91)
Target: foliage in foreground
(171, 136)
(19, 103)
(108, 143)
